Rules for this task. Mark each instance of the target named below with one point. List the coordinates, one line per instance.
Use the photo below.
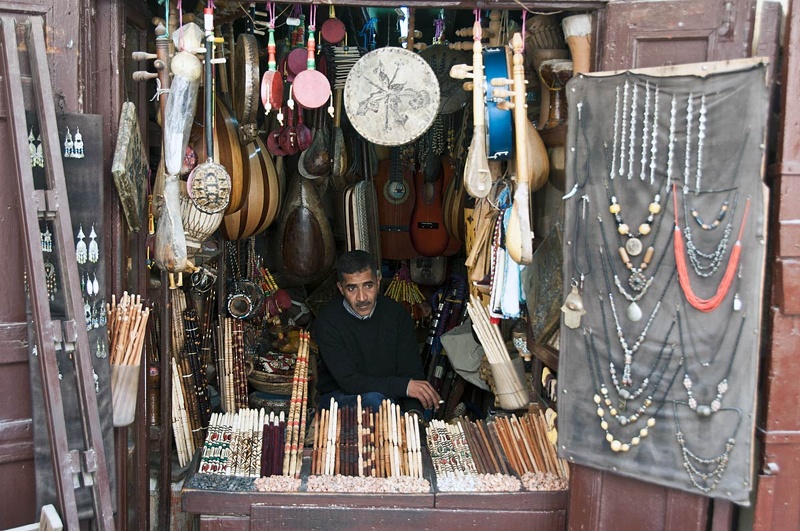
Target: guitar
(395, 191)
(428, 233)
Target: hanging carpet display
(664, 251)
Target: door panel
(645, 33)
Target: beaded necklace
(711, 304)
(702, 224)
(695, 255)
(722, 387)
(637, 281)
(624, 396)
(633, 245)
(629, 350)
(705, 480)
(616, 444)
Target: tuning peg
(143, 56)
(502, 93)
(505, 105)
(461, 71)
(468, 86)
(420, 46)
(141, 75)
(468, 32)
(501, 82)
(465, 46)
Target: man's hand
(424, 392)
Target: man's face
(360, 290)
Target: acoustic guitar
(395, 191)
(428, 233)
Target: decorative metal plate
(391, 96)
(209, 187)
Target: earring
(96, 381)
(101, 350)
(80, 248)
(87, 313)
(32, 149)
(95, 284)
(50, 280)
(77, 152)
(68, 145)
(94, 252)
(47, 239)
(39, 153)
(103, 318)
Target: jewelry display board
(664, 252)
(82, 157)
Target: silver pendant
(573, 308)
(634, 246)
(634, 312)
(637, 281)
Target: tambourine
(441, 58)
(246, 89)
(245, 299)
(209, 187)
(391, 96)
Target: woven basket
(270, 383)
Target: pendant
(737, 303)
(637, 280)
(573, 308)
(634, 246)
(634, 312)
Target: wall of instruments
(434, 139)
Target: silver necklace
(705, 473)
(706, 264)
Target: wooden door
(640, 34)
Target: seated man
(367, 344)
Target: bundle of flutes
(296, 421)
(449, 450)
(195, 364)
(234, 442)
(127, 325)
(523, 441)
(353, 441)
(180, 419)
(231, 368)
(273, 445)
(511, 391)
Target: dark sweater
(378, 354)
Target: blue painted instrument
(499, 139)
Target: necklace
(705, 473)
(624, 420)
(696, 255)
(616, 444)
(722, 387)
(706, 305)
(637, 281)
(629, 350)
(623, 394)
(703, 225)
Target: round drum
(391, 96)
(197, 225)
